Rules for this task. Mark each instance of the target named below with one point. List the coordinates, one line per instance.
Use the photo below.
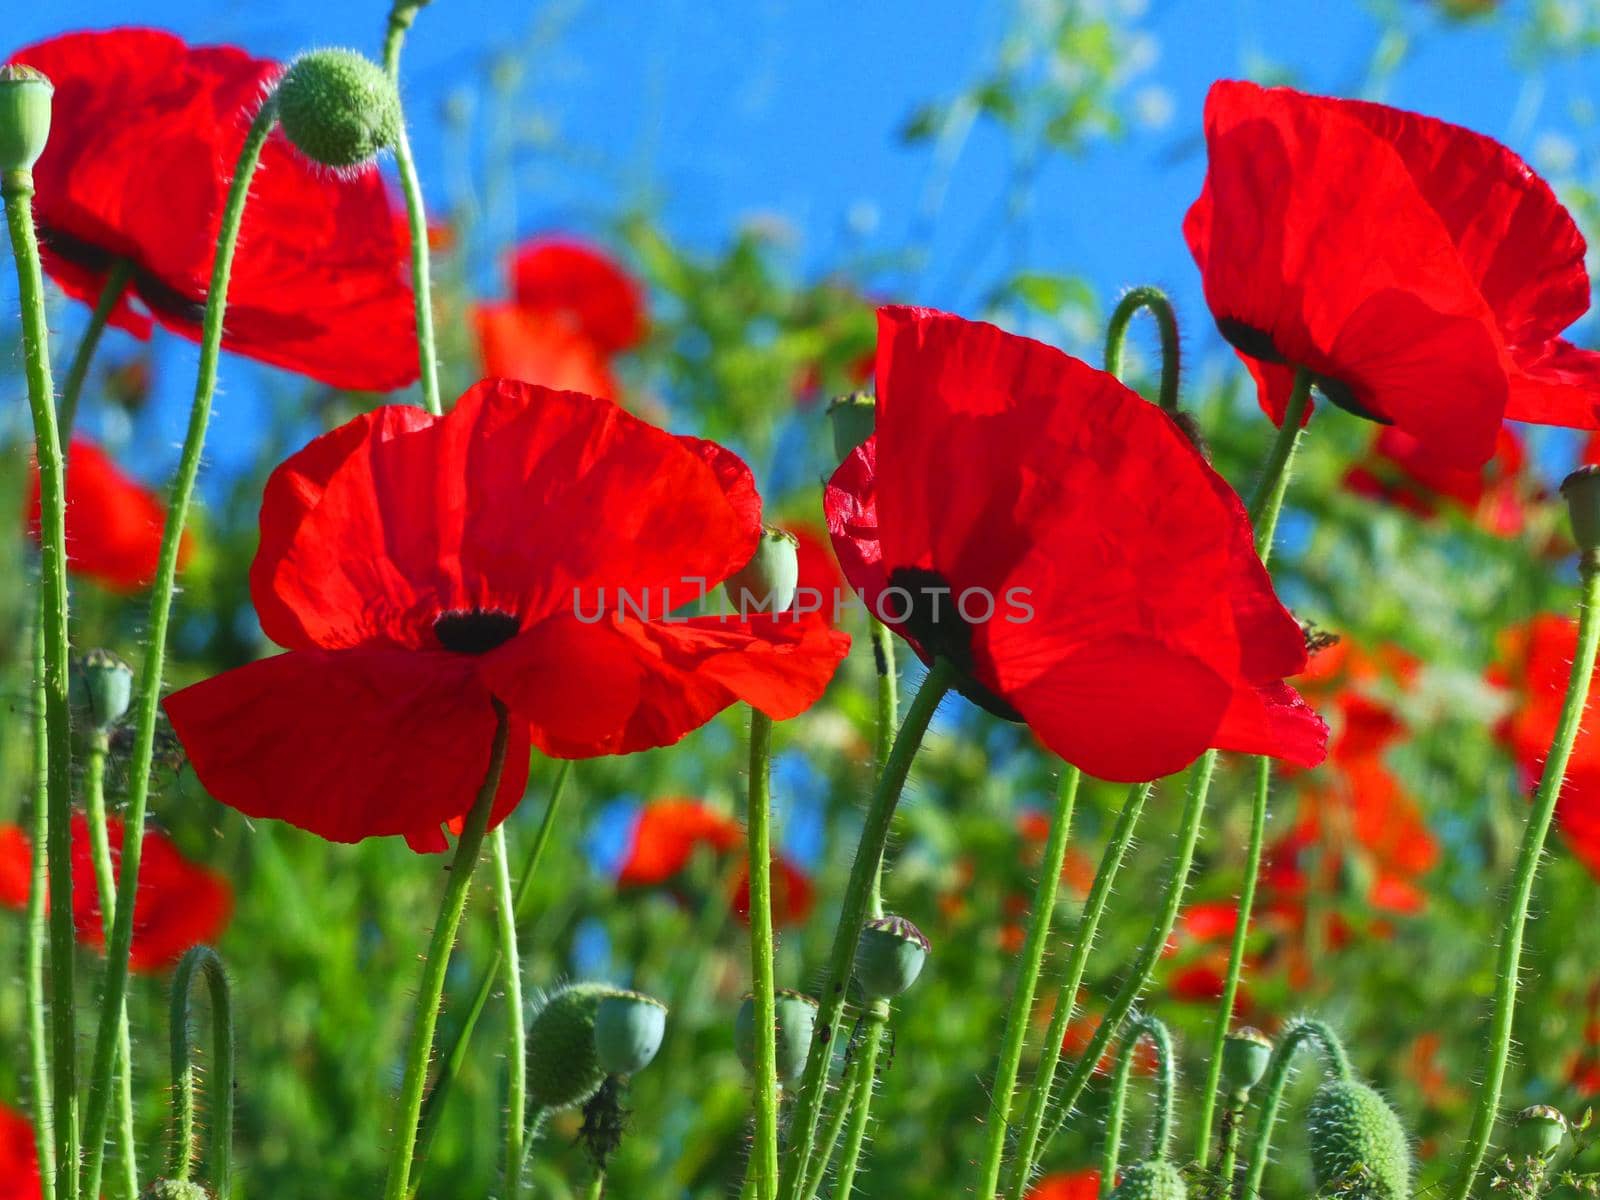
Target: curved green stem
(455, 1057)
(844, 1105)
(516, 1046)
(1105, 878)
(116, 283)
(1150, 953)
(431, 990)
(34, 944)
(401, 17)
(866, 1073)
(1230, 983)
(1166, 1083)
(1509, 963)
(852, 916)
(1276, 1079)
(1022, 995)
(94, 804)
(17, 188)
(1154, 301)
(1266, 500)
(758, 818)
(203, 959)
(147, 701)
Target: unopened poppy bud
(889, 957)
(102, 687)
(1582, 492)
(769, 581)
(1537, 1132)
(563, 1064)
(338, 108)
(1355, 1134)
(628, 1028)
(174, 1189)
(1245, 1055)
(1153, 1179)
(854, 418)
(796, 1020)
(24, 116)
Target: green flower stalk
(517, 1039)
(1146, 1027)
(1154, 301)
(865, 1070)
(117, 279)
(764, 1154)
(1336, 1064)
(36, 935)
(1582, 492)
(202, 959)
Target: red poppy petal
(583, 287)
(665, 837)
(348, 744)
(1272, 719)
(1558, 384)
(16, 867)
(19, 1157)
(532, 347)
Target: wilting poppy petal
(581, 288)
(142, 147)
(536, 348)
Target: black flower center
(474, 631)
(933, 617)
(1257, 344)
(159, 296)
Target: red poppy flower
(179, 903)
(821, 581)
(666, 836)
(515, 343)
(113, 523)
(582, 288)
(142, 149)
(19, 1157)
(525, 549)
(1067, 1185)
(1408, 473)
(1422, 273)
(793, 894)
(1066, 547)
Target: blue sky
(728, 110)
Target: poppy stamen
(474, 631)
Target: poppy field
(581, 714)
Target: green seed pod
(768, 582)
(1153, 1179)
(854, 418)
(1537, 1132)
(338, 108)
(796, 1021)
(1245, 1056)
(102, 687)
(628, 1028)
(563, 1065)
(1357, 1143)
(24, 116)
(174, 1189)
(889, 957)
(1581, 490)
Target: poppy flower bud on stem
(1537, 1132)
(889, 957)
(1581, 490)
(769, 581)
(103, 688)
(338, 108)
(174, 1189)
(24, 117)
(854, 418)
(628, 1028)
(563, 1060)
(796, 1015)
(1244, 1059)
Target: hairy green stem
(117, 279)
(147, 700)
(1336, 1063)
(1072, 979)
(516, 1043)
(94, 805)
(1232, 1126)
(1508, 966)
(1266, 500)
(1022, 994)
(1166, 1084)
(866, 1071)
(203, 959)
(51, 687)
(845, 1104)
(36, 936)
(888, 714)
(1154, 301)
(758, 818)
(852, 916)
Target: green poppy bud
(102, 686)
(1581, 490)
(1537, 1132)
(889, 957)
(174, 1189)
(338, 108)
(1357, 1143)
(24, 116)
(796, 1021)
(771, 578)
(563, 1064)
(628, 1028)
(1245, 1055)
(1153, 1179)
(854, 418)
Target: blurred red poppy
(821, 581)
(666, 836)
(526, 549)
(114, 524)
(582, 288)
(179, 903)
(1408, 473)
(1469, 268)
(793, 895)
(1067, 548)
(1067, 1185)
(19, 1157)
(517, 344)
(142, 147)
